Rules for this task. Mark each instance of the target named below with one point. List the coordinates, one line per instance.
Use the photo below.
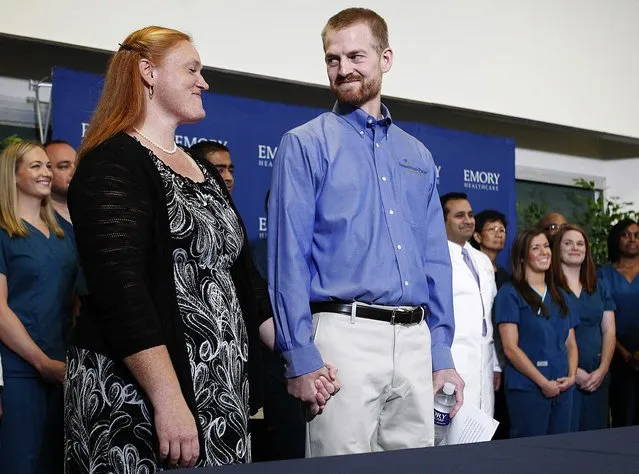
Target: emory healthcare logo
(481, 180)
(182, 140)
(265, 155)
(262, 223)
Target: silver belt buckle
(395, 311)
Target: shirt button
(362, 132)
(391, 212)
(399, 247)
(377, 145)
(405, 282)
(383, 178)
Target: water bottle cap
(449, 388)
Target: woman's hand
(177, 434)
(550, 389)
(582, 378)
(565, 383)
(52, 371)
(596, 379)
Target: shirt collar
(457, 249)
(359, 119)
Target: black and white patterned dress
(108, 422)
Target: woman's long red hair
(587, 273)
(122, 104)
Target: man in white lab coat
(473, 293)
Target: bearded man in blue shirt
(358, 262)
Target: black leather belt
(392, 316)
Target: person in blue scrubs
(622, 281)
(539, 341)
(589, 299)
(37, 275)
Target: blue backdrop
(481, 166)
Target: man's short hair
(56, 142)
(353, 16)
(451, 197)
(202, 149)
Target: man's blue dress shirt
(354, 215)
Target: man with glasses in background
(552, 223)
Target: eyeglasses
(497, 230)
(554, 226)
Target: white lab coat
(474, 355)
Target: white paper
(470, 425)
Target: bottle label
(442, 419)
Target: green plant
(529, 215)
(8, 141)
(595, 214)
(598, 215)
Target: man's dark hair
(56, 142)
(202, 149)
(451, 197)
(485, 217)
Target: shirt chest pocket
(414, 186)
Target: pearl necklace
(168, 152)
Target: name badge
(542, 363)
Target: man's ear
(477, 237)
(386, 60)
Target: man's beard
(358, 96)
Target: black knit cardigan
(118, 208)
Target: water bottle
(444, 403)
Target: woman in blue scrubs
(37, 274)
(622, 282)
(588, 297)
(539, 341)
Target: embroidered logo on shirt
(404, 163)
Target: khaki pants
(386, 400)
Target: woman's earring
(150, 92)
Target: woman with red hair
(164, 360)
(588, 297)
